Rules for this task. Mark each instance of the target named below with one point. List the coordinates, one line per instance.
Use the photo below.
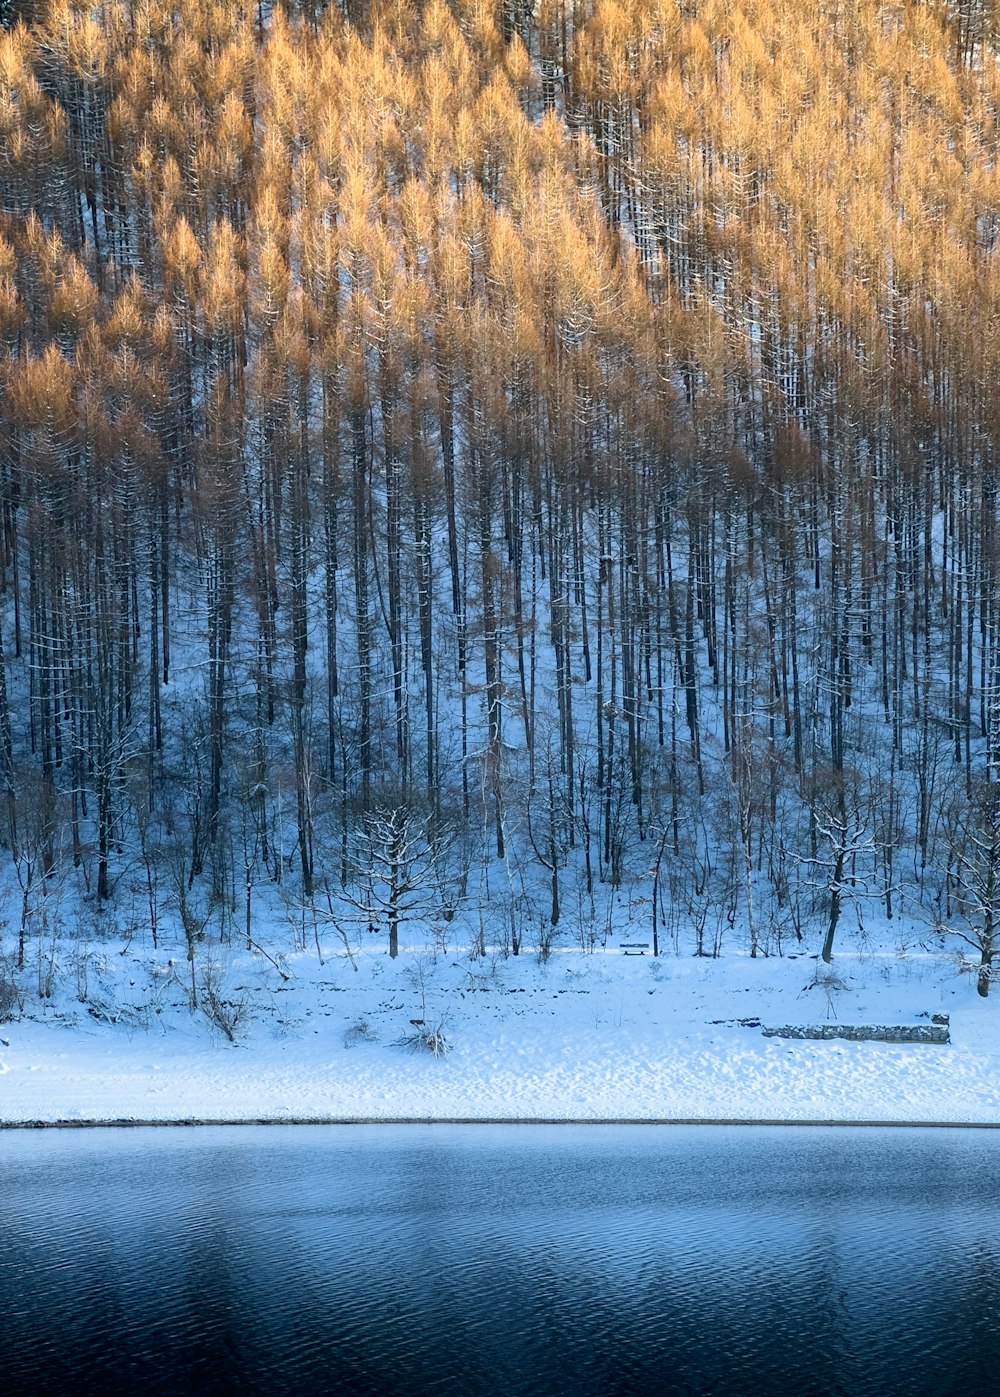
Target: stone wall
(865, 1033)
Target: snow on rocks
(863, 1033)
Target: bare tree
(973, 826)
(396, 857)
(842, 840)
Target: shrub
(427, 1038)
(360, 1031)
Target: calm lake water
(500, 1260)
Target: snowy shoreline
(188, 1123)
(579, 1037)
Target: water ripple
(473, 1262)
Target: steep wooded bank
(556, 441)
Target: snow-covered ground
(581, 1036)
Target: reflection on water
(500, 1260)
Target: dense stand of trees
(565, 427)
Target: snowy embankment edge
(190, 1122)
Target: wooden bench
(634, 948)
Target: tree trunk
(835, 906)
(985, 974)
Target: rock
(935, 1032)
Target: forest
(505, 455)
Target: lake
(509, 1260)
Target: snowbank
(584, 1037)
